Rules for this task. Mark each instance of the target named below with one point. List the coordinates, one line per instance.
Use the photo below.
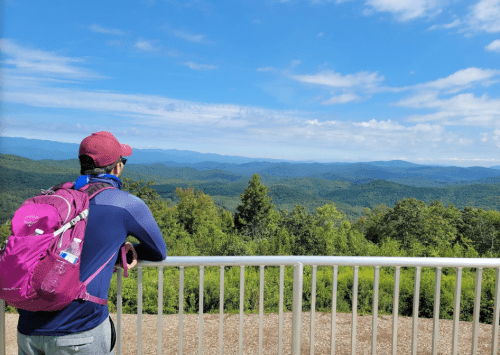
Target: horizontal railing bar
(360, 261)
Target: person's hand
(131, 255)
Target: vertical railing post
(280, 316)
(200, 311)
(242, 307)
(456, 311)
(313, 308)
(221, 311)
(181, 310)
(437, 302)
(2, 328)
(477, 308)
(139, 311)
(334, 309)
(395, 311)
(119, 310)
(261, 309)
(354, 308)
(416, 303)
(160, 310)
(496, 316)
(298, 281)
(376, 279)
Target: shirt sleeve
(143, 226)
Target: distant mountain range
(36, 149)
(351, 189)
(188, 165)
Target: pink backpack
(38, 270)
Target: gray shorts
(96, 341)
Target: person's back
(83, 327)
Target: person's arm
(143, 226)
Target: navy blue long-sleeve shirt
(113, 215)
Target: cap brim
(126, 150)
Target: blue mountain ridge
(179, 164)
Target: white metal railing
(298, 262)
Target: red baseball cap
(104, 148)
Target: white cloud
(485, 16)
(463, 109)
(144, 45)
(27, 61)
(446, 26)
(336, 80)
(341, 99)
(109, 31)
(291, 132)
(346, 88)
(197, 66)
(493, 46)
(190, 37)
(462, 79)
(406, 10)
(265, 69)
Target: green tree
(254, 213)
(405, 222)
(371, 224)
(301, 225)
(5, 232)
(141, 190)
(481, 228)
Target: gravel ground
(270, 334)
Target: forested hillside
(394, 220)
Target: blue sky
(327, 81)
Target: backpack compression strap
(87, 296)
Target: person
(85, 327)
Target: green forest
(192, 224)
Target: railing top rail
(323, 261)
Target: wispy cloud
(28, 61)
(265, 69)
(462, 109)
(405, 10)
(154, 47)
(109, 31)
(341, 99)
(280, 130)
(336, 80)
(346, 88)
(493, 46)
(144, 45)
(485, 16)
(446, 26)
(462, 79)
(451, 107)
(191, 37)
(197, 66)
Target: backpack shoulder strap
(63, 185)
(93, 189)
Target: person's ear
(118, 169)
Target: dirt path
(270, 334)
